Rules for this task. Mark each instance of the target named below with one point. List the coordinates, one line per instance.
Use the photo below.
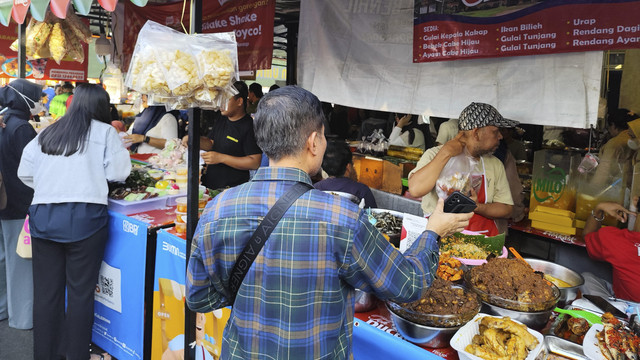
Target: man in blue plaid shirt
(297, 299)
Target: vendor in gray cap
(21, 99)
(479, 132)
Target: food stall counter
(375, 336)
(524, 226)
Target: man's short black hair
(336, 158)
(620, 118)
(243, 92)
(256, 89)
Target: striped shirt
(297, 300)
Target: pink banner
(462, 29)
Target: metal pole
(22, 51)
(292, 52)
(193, 182)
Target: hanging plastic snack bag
(184, 70)
(456, 175)
(74, 44)
(151, 59)
(58, 42)
(79, 28)
(182, 75)
(37, 36)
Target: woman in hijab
(152, 128)
(18, 100)
(68, 165)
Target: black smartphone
(458, 203)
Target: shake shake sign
(551, 186)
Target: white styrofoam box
(131, 207)
(465, 334)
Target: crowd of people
(297, 300)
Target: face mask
(633, 144)
(37, 108)
(34, 107)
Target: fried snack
(205, 95)
(182, 76)
(216, 66)
(79, 29)
(74, 46)
(449, 268)
(506, 324)
(502, 339)
(37, 36)
(147, 74)
(57, 42)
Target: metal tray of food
(563, 341)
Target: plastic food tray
(131, 207)
(463, 337)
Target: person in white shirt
(152, 128)
(447, 131)
(68, 166)
(406, 133)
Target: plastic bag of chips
(181, 70)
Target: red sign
(40, 69)
(251, 20)
(465, 29)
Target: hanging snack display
(184, 71)
(56, 38)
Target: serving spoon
(590, 317)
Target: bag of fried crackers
(184, 70)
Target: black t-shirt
(235, 138)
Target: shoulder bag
(260, 236)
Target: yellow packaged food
(80, 29)
(74, 46)
(57, 42)
(37, 36)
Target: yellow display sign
(168, 325)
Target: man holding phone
(479, 132)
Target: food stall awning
(18, 9)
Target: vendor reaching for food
(152, 128)
(619, 247)
(479, 132)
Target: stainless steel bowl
(364, 301)
(534, 320)
(433, 337)
(567, 294)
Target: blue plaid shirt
(297, 300)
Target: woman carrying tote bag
(68, 165)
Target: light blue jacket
(81, 177)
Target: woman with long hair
(68, 165)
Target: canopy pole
(22, 51)
(292, 52)
(193, 158)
